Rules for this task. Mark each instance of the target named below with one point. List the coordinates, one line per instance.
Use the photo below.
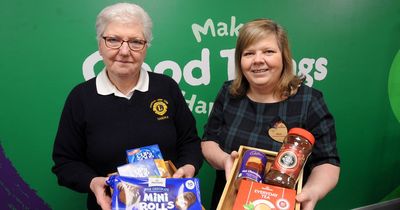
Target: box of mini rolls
(250, 195)
(144, 183)
(155, 193)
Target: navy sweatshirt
(96, 130)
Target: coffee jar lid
(303, 133)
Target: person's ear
(99, 47)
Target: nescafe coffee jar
(296, 148)
(253, 166)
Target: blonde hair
(253, 32)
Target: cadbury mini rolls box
(258, 196)
(155, 193)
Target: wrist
(91, 184)
(313, 192)
(224, 160)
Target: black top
(96, 130)
(240, 121)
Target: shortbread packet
(140, 169)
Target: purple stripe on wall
(14, 192)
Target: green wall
(346, 48)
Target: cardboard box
(259, 196)
(230, 191)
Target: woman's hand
(98, 186)
(228, 162)
(323, 178)
(308, 199)
(186, 171)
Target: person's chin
(259, 83)
(125, 67)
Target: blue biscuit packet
(155, 193)
(143, 153)
(149, 152)
(143, 168)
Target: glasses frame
(122, 42)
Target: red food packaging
(258, 196)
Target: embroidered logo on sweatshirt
(160, 108)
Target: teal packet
(155, 193)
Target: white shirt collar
(105, 87)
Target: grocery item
(252, 167)
(155, 193)
(258, 196)
(149, 152)
(296, 148)
(143, 168)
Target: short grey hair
(124, 12)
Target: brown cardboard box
(230, 191)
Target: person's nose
(124, 49)
(259, 58)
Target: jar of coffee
(296, 148)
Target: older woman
(124, 107)
(266, 93)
